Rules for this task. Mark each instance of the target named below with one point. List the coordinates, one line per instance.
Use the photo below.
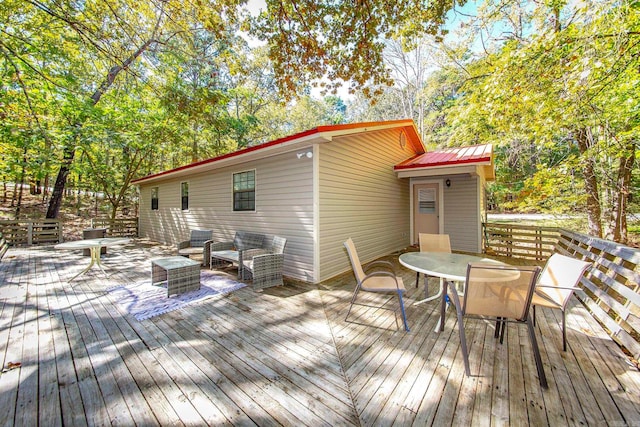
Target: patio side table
(181, 274)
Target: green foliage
(565, 71)
(118, 90)
(340, 40)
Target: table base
(180, 277)
(94, 252)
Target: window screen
(185, 195)
(154, 198)
(244, 191)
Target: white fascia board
(372, 128)
(439, 171)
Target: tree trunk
(594, 212)
(22, 176)
(58, 189)
(618, 229)
(69, 151)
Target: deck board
(283, 356)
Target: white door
(426, 209)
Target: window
(427, 201)
(244, 191)
(154, 198)
(185, 195)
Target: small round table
(446, 266)
(94, 245)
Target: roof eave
(318, 135)
(484, 169)
(236, 157)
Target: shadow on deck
(283, 356)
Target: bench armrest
(267, 263)
(184, 244)
(221, 246)
(206, 253)
(251, 253)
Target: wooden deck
(284, 356)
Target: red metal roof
(478, 154)
(335, 130)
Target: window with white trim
(244, 191)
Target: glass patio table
(447, 266)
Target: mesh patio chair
(383, 280)
(500, 293)
(433, 243)
(557, 282)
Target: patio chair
(383, 280)
(433, 243)
(501, 293)
(264, 266)
(557, 282)
(198, 244)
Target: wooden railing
(119, 227)
(520, 241)
(610, 289)
(31, 232)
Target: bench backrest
(277, 244)
(198, 237)
(246, 240)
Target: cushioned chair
(377, 277)
(501, 293)
(198, 244)
(264, 266)
(432, 243)
(557, 282)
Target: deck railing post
(30, 233)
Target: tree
(93, 43)
(567, 84)
(341, 41)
